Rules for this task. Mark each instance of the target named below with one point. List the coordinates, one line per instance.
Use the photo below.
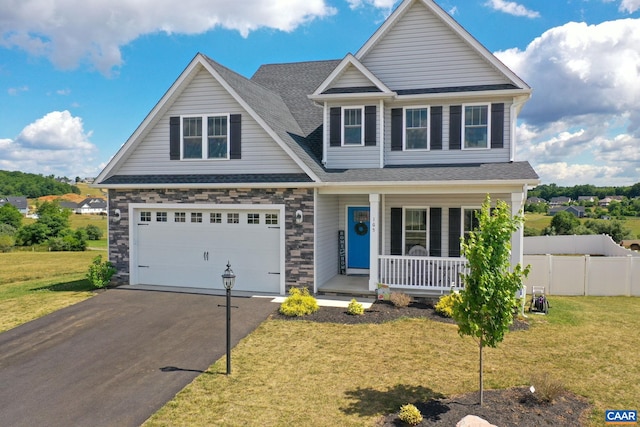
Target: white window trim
(464, 127)
(342, 124)
(404, 127)
(205, 136)
(404, 226)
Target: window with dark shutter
(335, 124)
(436, 128)
(396, 129)
(396, 231)
(235, 136)
(435, 232)
(174, 138)
(454, 232)
(497, 125)
(370, 125)
(455, 127)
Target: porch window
(476, 126)
(415, 230)
(416, 130)
(352, 133)
(469, 221)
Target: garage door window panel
(179, 217)
(233, 218)
(215, 218)
(145, 216)
(196, 217)
(271, 219)
(161, 217)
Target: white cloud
(54, 144)
(72, 31)
(512, 8)
(380, 4)
(14, 91)
(629, 6)
(582, 124)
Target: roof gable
(263, 105)
(442, 53)
(350, 76)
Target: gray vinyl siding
(203, 95)
(327, 214)
(446, 156)
(431, 201)
(352, 77)
(440, 57)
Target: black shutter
(436, 128)
(454, 232)
(370, 125)
(235, 136)
(497, 125)
(455, 127)
(396, 129)
(335, 123)
(174, 138)
(435, 232)
(396, 231)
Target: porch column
(517, 239)
(374, 236)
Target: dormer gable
(351, 79)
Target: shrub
(93, 232)
(355, 308)
(399, 299)
(546, 388)
(299, 303)
(100, 273)
(409, 414)
(445, 304)
(7, 242)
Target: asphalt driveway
(116, 358)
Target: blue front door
(358, 237)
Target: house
(334, 174)
(578, 211)
(534, 200)
(559, 201)
(587, 199)
(608, 199)
(19, 202)
(92, 205)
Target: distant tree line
(33, 186)
(547, 191)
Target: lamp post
(228, 280)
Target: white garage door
(190, 247)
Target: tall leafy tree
(10, 215)
(488, 300)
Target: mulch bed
(508, 407)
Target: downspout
(325, 129)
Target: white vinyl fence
(584, 274)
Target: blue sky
(77, 77)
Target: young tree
(9, 214)
(488, 300)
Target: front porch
(414, 275)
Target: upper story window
(416, 128)
(352, 132)
(205, 137)
(476, 131)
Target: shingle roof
(205, 179)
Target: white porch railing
(421, 273)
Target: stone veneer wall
(299, 237)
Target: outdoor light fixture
(228, 280)
(299, 217)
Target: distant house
(19, 202)
(578, 211)
(534, 200)
(587, 199)
(92, 205)
(607, 200)
(559, 201)
(66, 204)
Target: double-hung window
(416, 128)
(205, 137)
(352, 130)
(415, 229)
(469, 221)
(476, 129)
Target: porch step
(347, 293)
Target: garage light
(228, 278)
